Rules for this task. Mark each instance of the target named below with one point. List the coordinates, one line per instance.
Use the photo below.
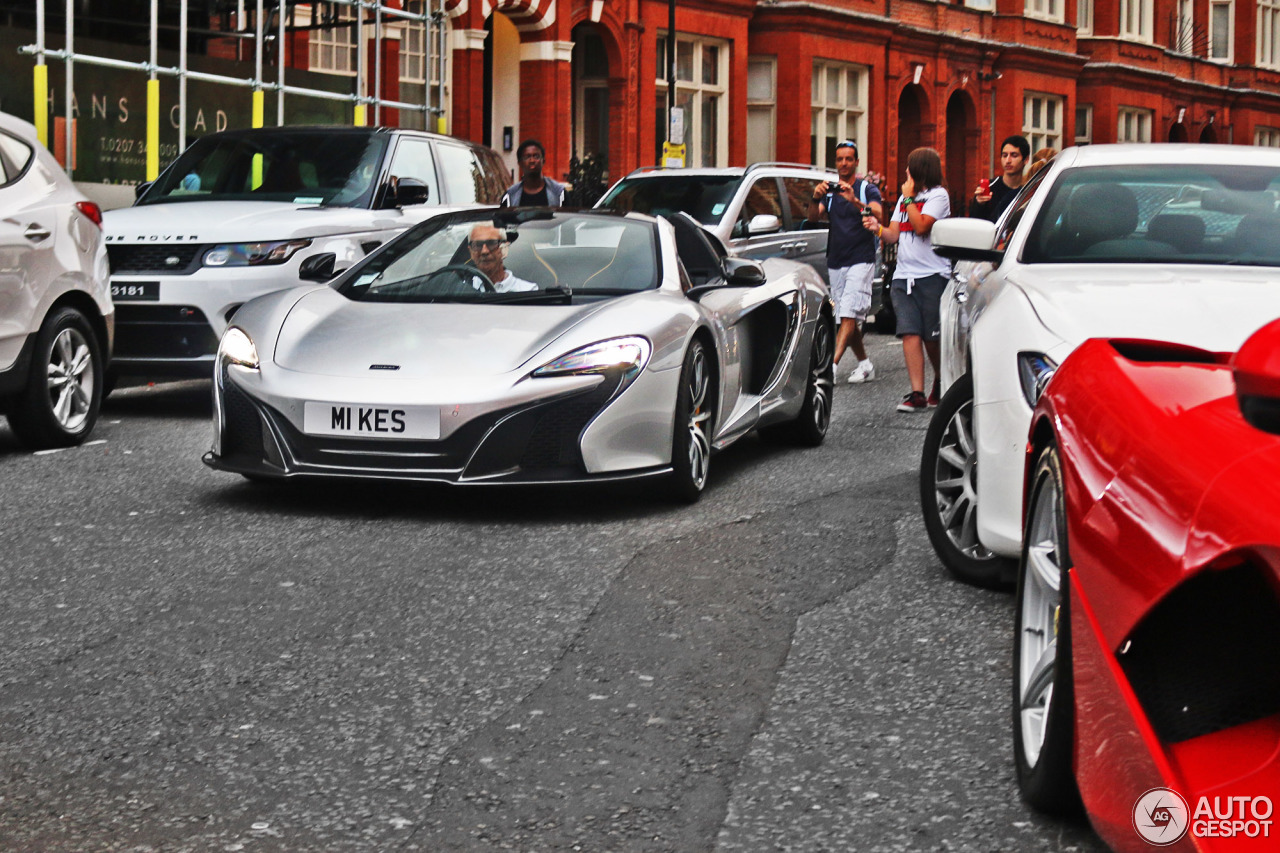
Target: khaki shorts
(851, 290)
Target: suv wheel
(59, 404)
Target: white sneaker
(864, 372)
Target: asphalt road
(196, 663)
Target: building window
(1134, 125)
(1084, 17)
(1042, 120)
(1269, 33)
(838, 96)
(1266, 137)
(702, 85)
(1220, 36)
(1183, 37)
(1135, 19)
(762, 99)
(333, 43)
(986, 5)
(1084, 125)
(1048, 10)
(420, 46)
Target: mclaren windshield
(518, 255)
(320, 167)
(1162, 213)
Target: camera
(833, 183)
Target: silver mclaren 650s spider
(527, 345)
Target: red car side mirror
(1256, 370)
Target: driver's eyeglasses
(491, 245)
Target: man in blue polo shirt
(851, 253)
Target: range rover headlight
(237, 348)
(253, 254)
(629, 355)
(1035, 369)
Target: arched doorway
(961, 139)
(910, 130)
(1178, 132)
(502, 89)
(590, 93)
(1208, 136)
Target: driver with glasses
(488, 246)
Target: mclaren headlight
(253, 254)
(628, 355)
(1035, 369)
(237, 348)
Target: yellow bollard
(153, 129)
(41, 113)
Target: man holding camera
(851, 252)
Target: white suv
(55, 307)
(248, 212)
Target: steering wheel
(465, 274)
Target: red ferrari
(1146, 671)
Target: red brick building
(786, 79)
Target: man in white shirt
(488, 246)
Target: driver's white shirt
(507, 284)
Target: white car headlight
(237, 348)
(253, 254)
(1035, 369)
(629, 355)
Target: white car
(248, 212)
(56, 317)
(1175, 243)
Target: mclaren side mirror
(743, 272)
(141, 188)
(1256, 370)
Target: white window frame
(1266, 137)
(1042, 120)
(700, 94)
(420, 46)
(334, 51)
(1044, 10)
(983, 5)
(849, 111)
(1268, 43)
(1136, 20)
(1133, 124)
(1084, 129)
(1084, 17)
(763, 107)
(1227, 57)
(1182, 39)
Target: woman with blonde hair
(921, 275)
